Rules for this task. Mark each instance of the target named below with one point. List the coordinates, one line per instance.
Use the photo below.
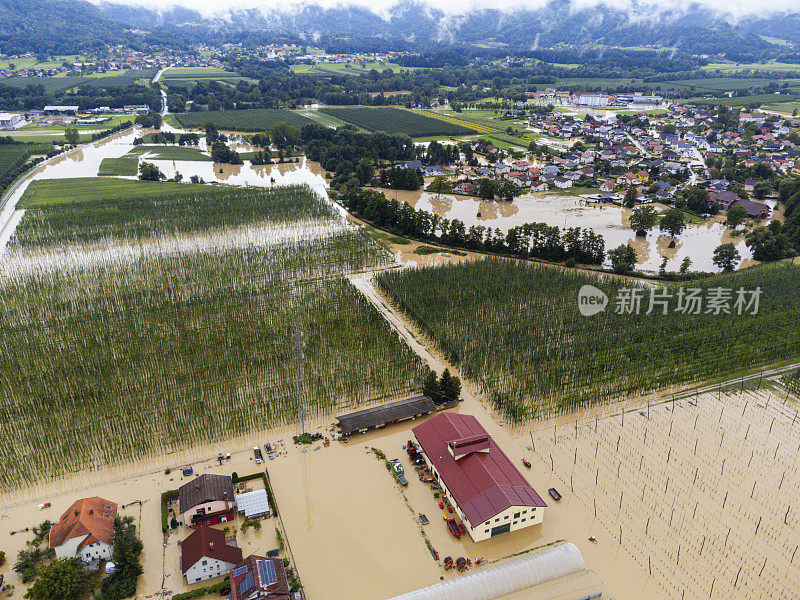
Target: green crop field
(745, 100)
(11, 154)
(397, 120)
(175, 349)
(352, 68)
(515, 329)
(45, 192)
(177, 209)
(123, 79)
(197, 73)
(768, 66)
(173, 153)
(61, 83)
(256, 119)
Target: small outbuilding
(380, 416)
(254, 505)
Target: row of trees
(532, 240)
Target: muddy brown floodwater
(612, 222)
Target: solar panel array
(246, 585)
(266, 572)
(238, 571)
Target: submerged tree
(623, 258)
(726, 257)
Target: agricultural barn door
(501, 529)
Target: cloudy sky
(733, 8)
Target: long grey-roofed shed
(377, 416)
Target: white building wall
(517, 517)
(69, 549)
(212, 568)
(96, 551)
(211, 507)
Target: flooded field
(611, 221)
(703, 493)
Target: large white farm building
(488, 493)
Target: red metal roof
(483, 484)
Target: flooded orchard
(702, 491)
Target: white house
(561, 182)
(206, 555)
(85, 531)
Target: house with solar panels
(259, 578)
(206, 555)
(487, 491)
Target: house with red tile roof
(206, 554)
(85, 531)
(487, 491)
(259, 578)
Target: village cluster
(660, 157)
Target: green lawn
(127, 165)
(48, 192)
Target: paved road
(164, 108)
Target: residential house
(755, 210)
(725, 198)
(562, 183)
(205, 554)
(626, 179)
(207, 499)
(85, 530)
(259, 578)
(537, 185)
(466, 187)
(606, 185)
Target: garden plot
(702, 492)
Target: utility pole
(301, 394)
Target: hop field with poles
(254, 119)
(178, 209)
(472, 123)
(109, 360)
(395, 121)
(516, 330)
(107, 364)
